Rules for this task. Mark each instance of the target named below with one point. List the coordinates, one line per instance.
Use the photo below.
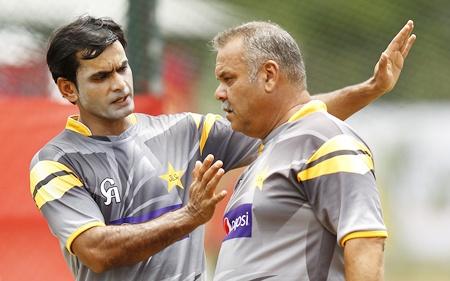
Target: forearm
(102, 248)
(364, 259)
(345, 102)
(105, 247)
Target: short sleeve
(61, 197)
(218, 138)
(339, 181)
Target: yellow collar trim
(132, 118)
(74, 125)
(260, 149)
(309, 108)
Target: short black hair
(88, 35)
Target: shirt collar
(307, 109)
(76, 126)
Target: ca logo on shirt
(109, 191)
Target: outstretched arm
(345, 102)
(105, 247)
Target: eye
(228, 80)
(99, 77)
(122, 69)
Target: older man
(308, 207)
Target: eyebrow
(222, 73)
(106, 73)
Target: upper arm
(63, 200)
(364, 259)
(217, 138)
(339, 182)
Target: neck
(293, 102)
(301, 99)
(105, 127)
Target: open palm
(389, 66)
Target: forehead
(231, 56)
(112, 57)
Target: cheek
(91, 95)
(130, 77)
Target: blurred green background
(169, 52)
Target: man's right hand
(105, 247)
(202, 196)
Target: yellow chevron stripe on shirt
(43, 169)
(359, 164)
(207, 125)
(340, 142)
(55, 189)
(363, 234)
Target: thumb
(219, 197)
(382, 65)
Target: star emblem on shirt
(260, 178)
(172, 177)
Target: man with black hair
(116, 187)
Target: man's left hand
(390, 64)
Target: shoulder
(54, 149)
(169, 120)
(321, 126)
(321, 123)
(317, 134)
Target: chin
(127, 110)
(120, 114)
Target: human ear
(67, 89)
(271, 72)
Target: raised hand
(390, 64)
(202, 196)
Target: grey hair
(264, 41)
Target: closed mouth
(227, 107)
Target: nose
(220, 93)
(118, 83)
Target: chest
(266, 192)
(135, 181)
